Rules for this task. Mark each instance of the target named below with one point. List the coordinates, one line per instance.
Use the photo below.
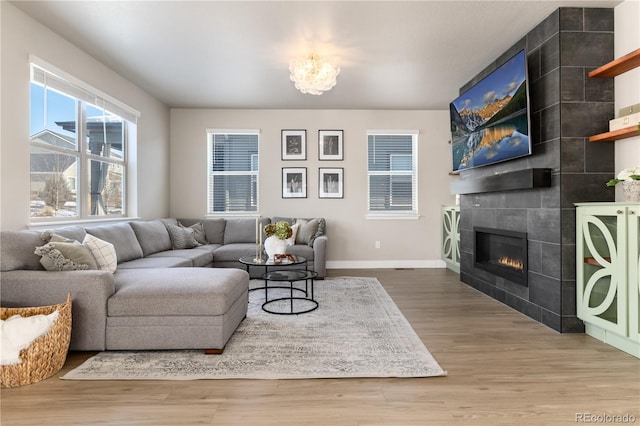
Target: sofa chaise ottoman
(176, 308)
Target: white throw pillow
(103, 251)
(292, 239)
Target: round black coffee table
(305, 303)
(250, 261)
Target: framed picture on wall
(330, 144)
(294, 144)
(294, 182)
(331, 182)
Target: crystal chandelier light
(313, 74)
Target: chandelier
(313, 74)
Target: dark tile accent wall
(566, 108)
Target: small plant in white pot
(630, 179)
(277, 234)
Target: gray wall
(566, 107)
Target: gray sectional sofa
(159, 297)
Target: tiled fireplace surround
(566, 107)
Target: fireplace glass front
(502, 253)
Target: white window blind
(51, 78)
(233, 172)
(392, 174)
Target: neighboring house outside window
(78, 163)
(392, 174)
(233, 166)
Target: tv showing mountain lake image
(490, 121)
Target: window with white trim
(233, 168)
(78, 159)
(392, 174)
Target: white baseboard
(384, 264)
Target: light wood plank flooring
(503, 369)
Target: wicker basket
(46, 355)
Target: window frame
(50, 78)
(413, 212)
(254, 172)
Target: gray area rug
(357, 331)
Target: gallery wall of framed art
(330, 148)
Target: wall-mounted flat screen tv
(490, 121)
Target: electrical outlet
(377, 244)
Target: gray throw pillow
(214, 230)
(198, 233)
(122, 237)
(197, 226)
(152, 236)
(74, 232)
(309, 230)
(61, 256)
(182, 238)
(240, 231)
(51, 237)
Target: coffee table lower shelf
(291, 276)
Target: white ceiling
(235, 54)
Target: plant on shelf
(630, 179)
(281, 230)
(627, 175)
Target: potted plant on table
(277, 234)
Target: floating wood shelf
(627, 132)
(619, 66)
(612, 69)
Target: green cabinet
(450, 241)
(608, 271)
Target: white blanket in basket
(17, 333)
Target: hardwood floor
(503, 369)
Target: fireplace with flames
(503, 253)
